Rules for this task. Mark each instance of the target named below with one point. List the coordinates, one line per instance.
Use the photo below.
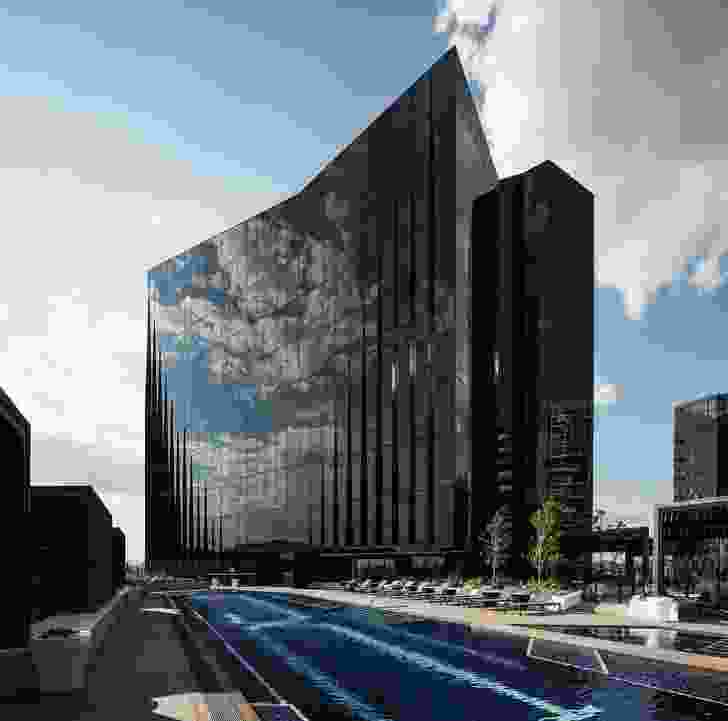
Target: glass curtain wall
(317, 355)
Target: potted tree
(545, 547)
(496, 540)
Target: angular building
(15, 444)
(533, 246)
(309, 370)
(700, 448)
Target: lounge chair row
(484, 598)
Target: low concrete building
(118, 550)
(15, 444)
(694, 534)
(74, 548)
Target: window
(412, 359)
(394, 375)
(497, 367)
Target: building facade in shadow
(533, 256)
(15, 445)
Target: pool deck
(156, 656)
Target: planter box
(653, 608)
(61, 662)
(567, 600)
(61, 658)
(17, 672)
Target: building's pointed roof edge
(445, 57)
(550, 166)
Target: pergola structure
(630, 541)
(683, 527)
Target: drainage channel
(661, 676)
(259, 696)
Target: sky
(132, 132)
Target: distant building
(700, 450)
(15, 531)
(693, 536)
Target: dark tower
(524, 228)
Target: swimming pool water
(420, 671)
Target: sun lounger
(521, 607)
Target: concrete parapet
(61, 646)
(18, 674)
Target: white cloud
(559, 79)
(608, 392)
(76, 229)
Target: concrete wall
(99, 552)
(73, 559)
(118, 540)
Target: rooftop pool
(335, 661)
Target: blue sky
(134, 131)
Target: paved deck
(585, 614)
(154, 659)
(144, 663)
(510, 622)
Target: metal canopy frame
(682, 516)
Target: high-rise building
(533, 248)
(700, 458)
(310, 368)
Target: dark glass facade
(533, 246)
(699, 456)
(691, 543)
(309, 370)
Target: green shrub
(548, 585)
(471, 583)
